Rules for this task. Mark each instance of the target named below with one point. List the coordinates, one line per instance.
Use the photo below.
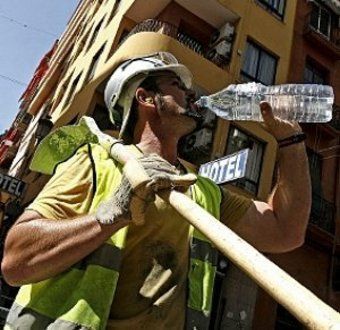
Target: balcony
(153, 25)
(322, 214)
(326, 38)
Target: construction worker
(91, 252)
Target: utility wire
(12, 20)
(12, 80)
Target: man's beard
(188, 111)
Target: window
(80, 47)
(94, 64)
(122, 36)
(72, 89)
(315, 169)
(95, 33)
(314, 74)
(238, 140)
(320, 20)
(277, 7)
(114, 11)
(60, 94)
(322, 211)
(258, 65)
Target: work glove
(141, 179)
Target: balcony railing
(331, 37)
(322, 214)
(153, 25)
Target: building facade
(222, 42)
(315, 58)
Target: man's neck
(150, 142)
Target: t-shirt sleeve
(233, 207)
(69, 192)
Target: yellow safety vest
(81, 297)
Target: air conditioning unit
(226, 32)
(222, 49)
(198, 141)
(221, 44)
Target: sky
(28, 29)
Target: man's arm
(280, 224)
(56, 231)
(38, 248)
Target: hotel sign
(226, 169)
(11, 185)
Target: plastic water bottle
(294, 102)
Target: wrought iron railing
(153, 25)
(322, 213)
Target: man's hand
(141, 179)
(279, 128)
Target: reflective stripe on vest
(107, 256)
(25, 318)
(81, 297)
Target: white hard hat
(122, 85)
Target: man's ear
(144, 97)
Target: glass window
(322, 211)
(275, 6)
(113, 11)
(95, 33)
(315, 168)
(320, 20)
(313, 74)
(72, 89)
(94, 64)
(325, 22)
(238, 140)
(258, 65)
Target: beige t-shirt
(151, 290)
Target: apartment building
(315, 58)
(222, 42)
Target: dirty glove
(142, 178)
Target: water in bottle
(293, 102)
